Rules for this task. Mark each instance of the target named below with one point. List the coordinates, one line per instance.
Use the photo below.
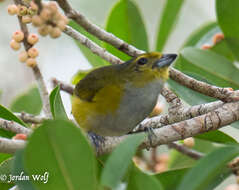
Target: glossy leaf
(64, 152)
(8, 115)
(141, 181)
(228, 16)
(202, 35)
(119, 161)
(217, 137)
(167, 22)
(29, 102)
(175, 176)
(93, 59)
(208, 168)
(57, 107)
(125, 22)
(215, 68)
(6, 170)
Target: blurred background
(62, 58)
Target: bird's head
(149, 66)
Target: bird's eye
(142, 61)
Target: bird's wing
(95, 81)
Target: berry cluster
(29, 56)
(26, 11)
(50, 21)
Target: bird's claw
(151, 136)
(96, 140)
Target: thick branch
(36, 70)
(216, 119)
(10, 146)
(28, 118)
(13, 127)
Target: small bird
(113, 100)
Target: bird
(112, 100)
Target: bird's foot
(96, 140)
(151, 136)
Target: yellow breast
(106, 100)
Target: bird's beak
(165, 61)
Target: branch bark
(13, 127)
(10, 146)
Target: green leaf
(8, 115)
(215, 68)
(208, 168)
(6, 169)
(217, 136)
(57, 107)
(29, 102)
(175, 176)
(167, 22)
(64, 152)
(93, 59)
(228, 16)
(5, 186)
(141, 181)
(125, 22)
(202, 35)
(119, 161)
(18, 169)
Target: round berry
(22, 10)
(15, 45)
(31, 62)
(33, 6)
(45, 14)
(32, 39)
(12, 9)
(217, 38)
(206, 46)
(23, 56)
(26, 19)
(189, 142)
(44, 30)
(55, 32)
(232, 187)
(18, 36)
(20, 137)
(61, 24)
(52, 6)
(32, 52)
(37, 21)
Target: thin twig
(63, 86)
(95, 48)
(187, 151)
(36, 71)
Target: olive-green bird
(113, 100)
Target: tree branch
(36, 70)
(29, 118)
(10, 146)
(13, 127)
